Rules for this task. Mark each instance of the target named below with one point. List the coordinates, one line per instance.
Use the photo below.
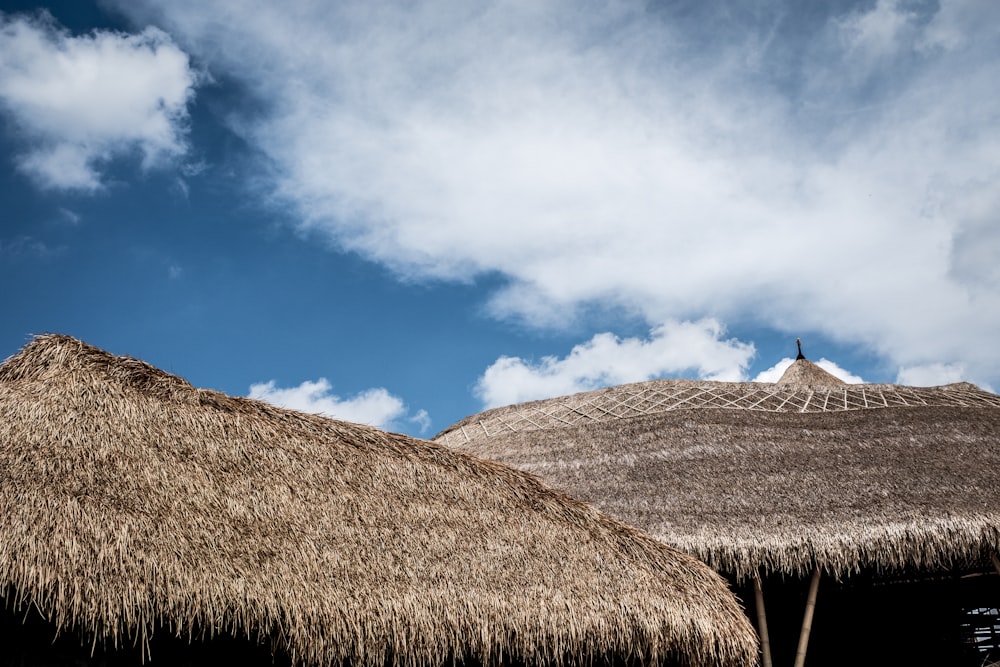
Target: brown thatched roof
(132, 501)
(804, 372)
(772, 477)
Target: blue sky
(402, 213)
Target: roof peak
(804, 372)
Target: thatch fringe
(918, 546)
(131, 501)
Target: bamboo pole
(765, 642)
(800, 655)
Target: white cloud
(375, 407)
(82, 101)
(62, 166)
(829, 179)
(876, 32)
(931, 375)
(607, 360)
(953, 25)
(774, 373)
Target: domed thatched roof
(132, 503)
(776, 478)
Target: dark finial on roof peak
(798, 341)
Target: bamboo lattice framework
(659, 396)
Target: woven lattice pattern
(649, 398)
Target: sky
(402, 213)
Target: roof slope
(130, 499)
(775, 477)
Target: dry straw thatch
(769, 478)
(133, 503)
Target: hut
(882, 500)
(143, 520)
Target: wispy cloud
(28, 246)
(812, 168)
(81, 101)
(69, 216)
(375, 407)
(422, 420)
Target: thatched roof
(779, 477)
(804, 372)
(132, 502)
